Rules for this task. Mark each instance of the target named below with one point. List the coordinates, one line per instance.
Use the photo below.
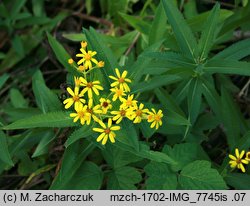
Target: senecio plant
(146, 103)
(90, 105)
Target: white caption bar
(124, 197)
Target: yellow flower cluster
(238, 160)
(90, 105)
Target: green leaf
(172, 59)
(116, 157)
(26, 165)
(240, 17)
(3, 79)
(119, 44)
(236, 51)
(208, 34)
(75, 36)
(227, 67)
(43, 145)
(84, 131)
(123, 178)
(184, 154)
(199, 175)
(144, 152)
(155, 82)
(138, 67)
(72, 165)
(174, 113)
(211, 96)
(231, 118)
(160, 177)
(87, 177)
(4, 152)
(17, 44)
(16, 7)
(17, 99)
(21, 113)
(32, 20)
(244, 142)
(26, 141)
(181, 91)
(38, 7)
(196, 23)
(129, 130)
(138, 24)
(190, 9)
(238, 181)
(183, 33)
(194, 98)
(61, 54)
(46, 100)
(159, 25)
(52, 119)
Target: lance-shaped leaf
(74, 171)
(159, 26)
(208, 34)
(4, 151)
(52, 119)
(236, 51)
(227, 67)
(194, 99)
(231, 117)
(182, 31)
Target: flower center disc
(105, 104)
(138, 113)
(119, 92)
(81, 68)
(123, 112)
(87, 57)
(107, 131)
(81, 114)
(89, 111)
(90, 85)
(121, 80)
(75, 98)
(238, 161)
(157, 118)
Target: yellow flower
(155, 118)
(247, 156)
(93, 112)
(139, 113)
(81, 68)
(84, 44)
(100, 64)
(105, 105)
(81, 113)
(107, 131)
(91, 87)
(237, 161)
(118, 93)
(121, 80)
(129, 102)
(119, 115)
(76, 98)
(70, 61)
(87, 58)
(77, 81)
